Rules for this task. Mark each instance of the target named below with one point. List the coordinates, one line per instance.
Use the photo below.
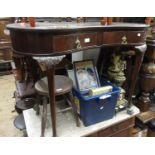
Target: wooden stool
(63, 86)
(24, 104)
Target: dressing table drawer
(118, 128)
(74, 41)
(124, 133)
(124, 37)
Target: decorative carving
(145, 97)
(148, 68)
(115, 70)
(116, 74)
(48, 61)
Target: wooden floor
(7, 116)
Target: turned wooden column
(147, 76)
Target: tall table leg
(139, 50)
(48, 64)
(51, 87)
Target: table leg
(139, 50)
(51, 87)
(44, 117)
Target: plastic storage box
(97, 108)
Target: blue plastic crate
(97, 108)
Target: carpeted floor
(7, 87)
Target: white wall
(88, 54)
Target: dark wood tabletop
(63, 26)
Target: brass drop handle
(78, 43)
(124, 40)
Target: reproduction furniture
(63, 87)
(55, 39)
(147, 76)
(146, 102)
(24, 104)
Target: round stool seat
(19, 122)
(25, 103)
(62, 85)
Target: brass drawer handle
(124, 40)
(78, 44)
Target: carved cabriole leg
(139, 51)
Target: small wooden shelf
(146, 117)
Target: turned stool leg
(37, 109)
(70, 99)
(44, 117)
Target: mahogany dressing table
(56, 39)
